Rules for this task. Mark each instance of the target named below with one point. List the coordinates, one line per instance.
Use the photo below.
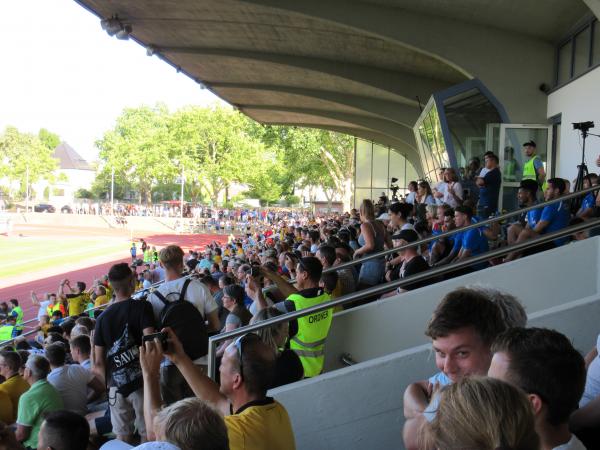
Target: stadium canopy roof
(359, 67)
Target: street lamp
(182, 185)
(112, 192)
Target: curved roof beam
(475, 50)
(594, 5)
(382, 126)
(404, 85)
(397, 112)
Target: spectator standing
(239, 316)
(117, 337)
(489, 187)
(533, 169)
(198, 294)
(308, 341)
(373, 238)
(453, 194)
(412, 192)
(41, 398)
(77, 299)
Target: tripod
(582, 172)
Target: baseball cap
(529, 144)
(407, 235)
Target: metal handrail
(459, 230)
(386, 287)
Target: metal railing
(387, 287)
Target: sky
(62, 72)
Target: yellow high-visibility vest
(309, 342)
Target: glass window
(360, 195)
(564, 62)
(468, 115)
(582, 51)
(363, 163)
(398, 168)
(380, 165)
(596, 43)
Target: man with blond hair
(173, 385)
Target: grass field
(31, 254)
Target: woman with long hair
(373, 238)
(239, 316)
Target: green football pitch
(22, 255)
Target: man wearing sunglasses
(254, 421)
(309, 335)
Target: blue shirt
(488, 194)
(588, 202)
(533, 217)
(558, 216)
(472, 240)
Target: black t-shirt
(111, 323)
(416, 265)
(288, 368)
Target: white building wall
(578, 101)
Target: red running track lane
(50, 284)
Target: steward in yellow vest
(9, 331)
(17, 313)
(309, 333)
(534, 167)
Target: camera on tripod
(394, 188)
(583, 126)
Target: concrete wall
(387, 326)
(577, 102)
(361, 406)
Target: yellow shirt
(217, 259)
(260, 425)
(100, 300)
(7, 414)
(14, 387)
(78, 304)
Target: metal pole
(112, 192)
(182, 184)
(27, 189)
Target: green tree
(138, 149)
(23, 156)
(49, 139)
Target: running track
(41, 284)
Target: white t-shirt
(441, 186)
(592, 380)
(43, 311)
(573, 444)
(197, 293)
(71, 382)
(410, 198)
(449, 198)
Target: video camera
(394, 188)
(583, 126)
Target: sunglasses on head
(239, 343)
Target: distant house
(73, 173)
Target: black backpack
(187, 323)
(124, 369)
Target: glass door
(513, 158)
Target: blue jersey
(533, 217)
(558, 216)
(473, 240)
(588, 202)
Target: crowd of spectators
(134, 370)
